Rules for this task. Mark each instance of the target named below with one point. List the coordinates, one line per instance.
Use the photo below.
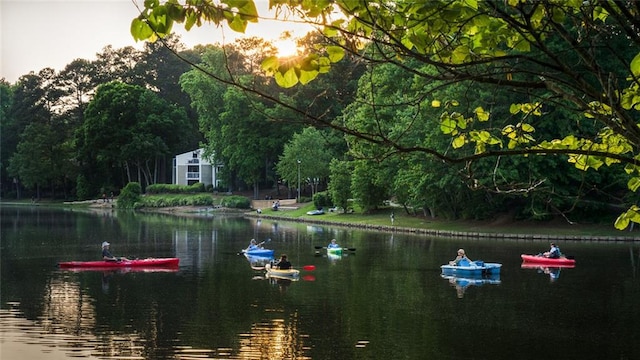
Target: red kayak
(150, 262)
(126, 270)
(526, 265)
(535, 259)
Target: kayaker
(333, 244)
(553, 253)
(461, 259)
(106, 254)
(253, 245)
(283, 263)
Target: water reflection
(22, 338)
(258, 262)
(552, 271)
(275, 339)
(461, 284)
(388, 302)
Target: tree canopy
(571, 61)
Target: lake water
(385, 300)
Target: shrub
(175, 189)
(129, 196)
(169, 201)
(322, 200)
(236, 202)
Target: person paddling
(283, 263)
(106, 254)
(553, 253)
(253, 245)
(333, 245)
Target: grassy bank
(402, 220)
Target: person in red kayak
(106, 254)
(553, 253)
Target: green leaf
(481, 114)
(528, 128)
(460, 55)
(140, 30)
(630, 215)
(635, 65)
(270, 64)
(447, 125)
(308, 76)
(288, 79)
(472, 4)
(622, 222)
(190, 19)
(459, 141)
(237, 24)
(336, 53)
(634, 183)
(324, 65)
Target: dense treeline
(98, 125)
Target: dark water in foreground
(385, 300)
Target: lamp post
(298, 200)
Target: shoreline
(479, 230)
(458, 234)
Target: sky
(36, 34)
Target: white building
(192, 167)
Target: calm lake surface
(385, 300)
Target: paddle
(343, 249)
(266, 241)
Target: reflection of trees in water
(274, 339)
(68, 323)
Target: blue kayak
(477, 268)
(259, 252)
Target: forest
(453, 109)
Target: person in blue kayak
(253, 245)
(461, 259)
(553, 253)
(106, 254)
(333, 245)
(283, 263)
